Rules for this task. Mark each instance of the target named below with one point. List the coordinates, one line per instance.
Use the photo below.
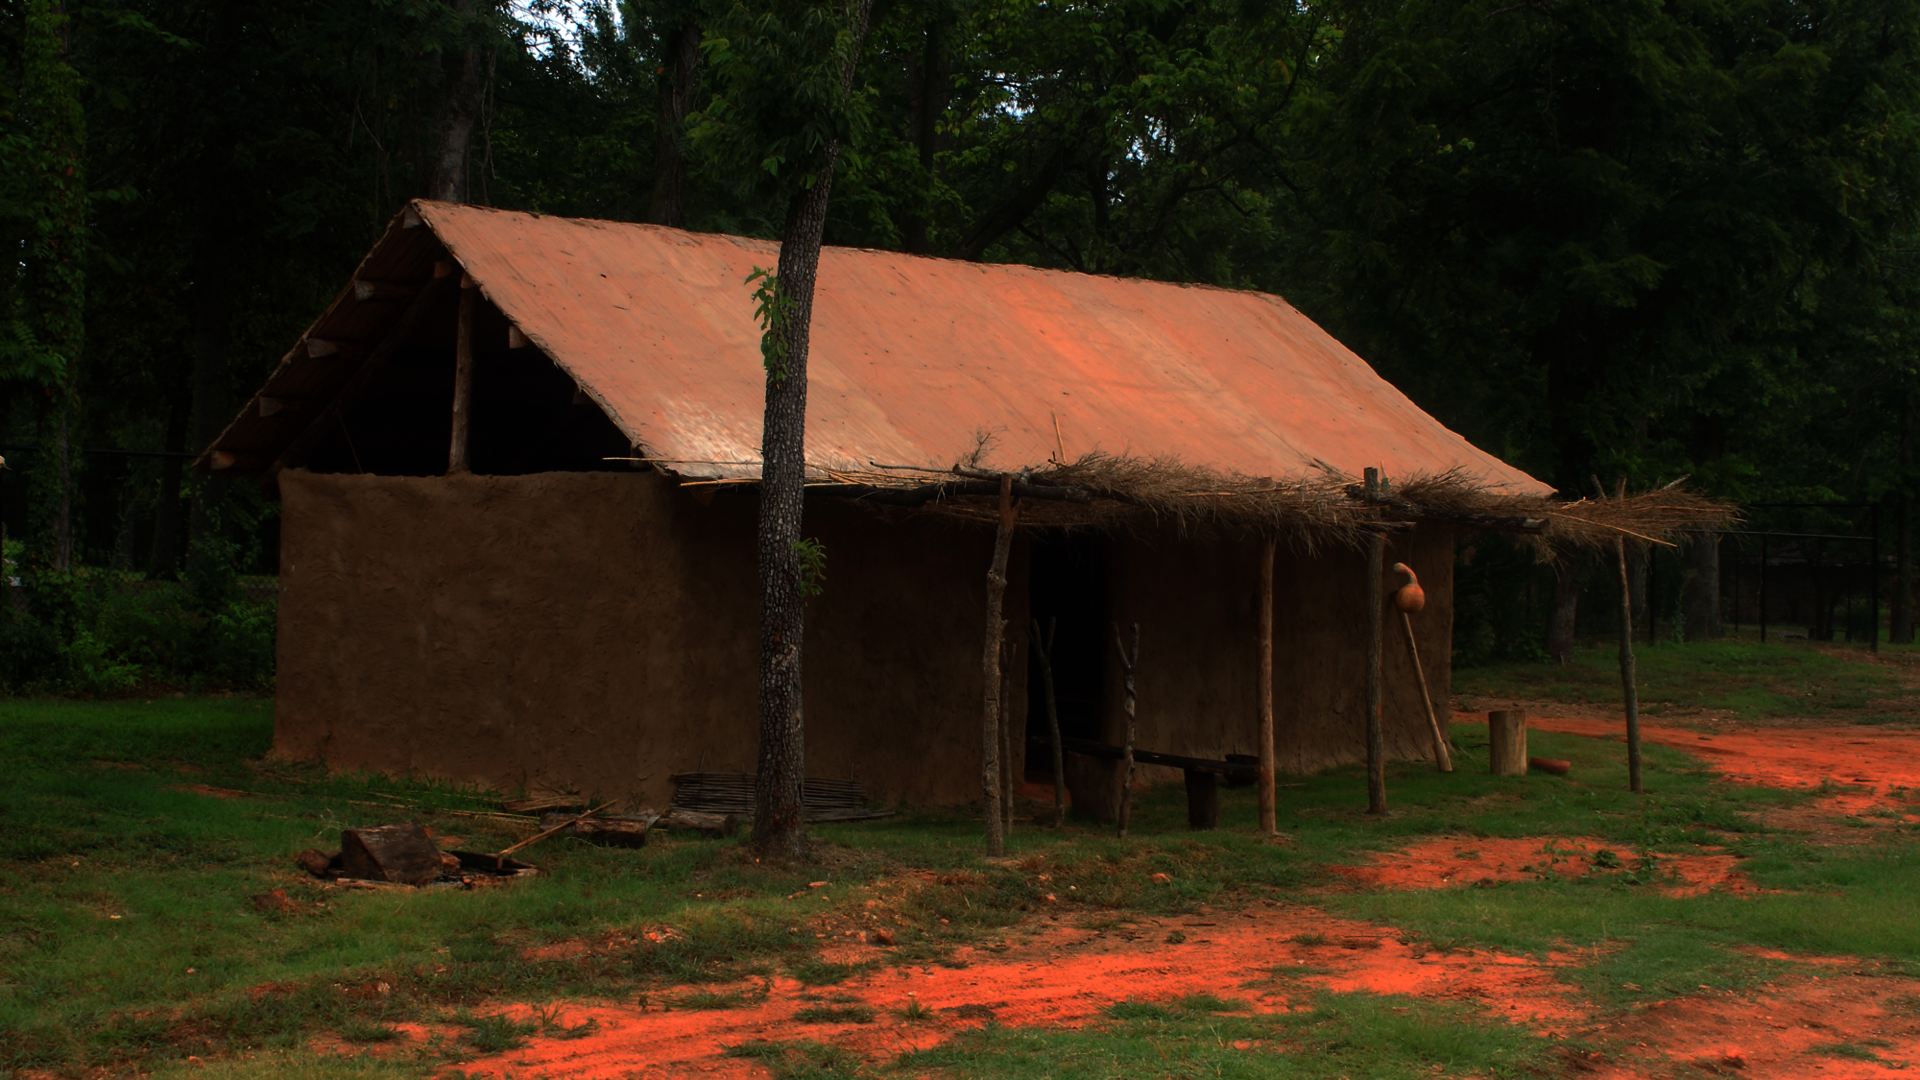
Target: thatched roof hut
(577, 606)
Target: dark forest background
(1600, 238)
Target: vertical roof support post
(1376, 618)
(1264, 649)
(990, 779)
(458, 457)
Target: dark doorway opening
(1067, 582)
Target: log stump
(397, 853)
(1203, 800)
(1507, 743)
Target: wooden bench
(1203, 775)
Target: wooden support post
(1009, 780)
(1203, 800)
(1629, 688)
(1507, 743)
(457, 459)
(1264, 648)
(1127, 664)
(990, 670)
(1376, 618)
(1043, 649)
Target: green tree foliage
(1597, 236)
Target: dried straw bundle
(1124, 491)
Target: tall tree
(460, 106)
(785, 104)
(679, 86)
(53, 266)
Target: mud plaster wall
(600, 630)
(1196, 599)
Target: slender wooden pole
(1127, 664)
(990, 670)
(1268, 824)
(1442, 760)
(1008, 779)
(1376, 618)
(457, 458)
(1628, 684)
(1044, 649)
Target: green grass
(1337, 1035)
(1333, 1036)
(1729, 679)
(128, 937)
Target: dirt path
(1267, 956)
(1826, 1025)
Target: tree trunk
(1566, 605)
(1900, 624)
(457, 115)
(778, 829)
(1703, 587)
(164, 560)
(679, 85)
(212, 379)
(53, 271)
(932, 75)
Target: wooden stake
(1264, 647)
(500, 859)
(1628, 688)
(1442, 760)
(1127, 704)
(1044, 650)
(462, 381)
(1008, 781)
(1376, 617)
(990, 670)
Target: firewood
(398, 853)
(318, 864)
(605, 831)
(694, 821)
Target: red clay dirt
(1843, 1023)
(1444, 862)
(1876, 768)
(1062, 978)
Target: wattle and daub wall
(600, 631)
